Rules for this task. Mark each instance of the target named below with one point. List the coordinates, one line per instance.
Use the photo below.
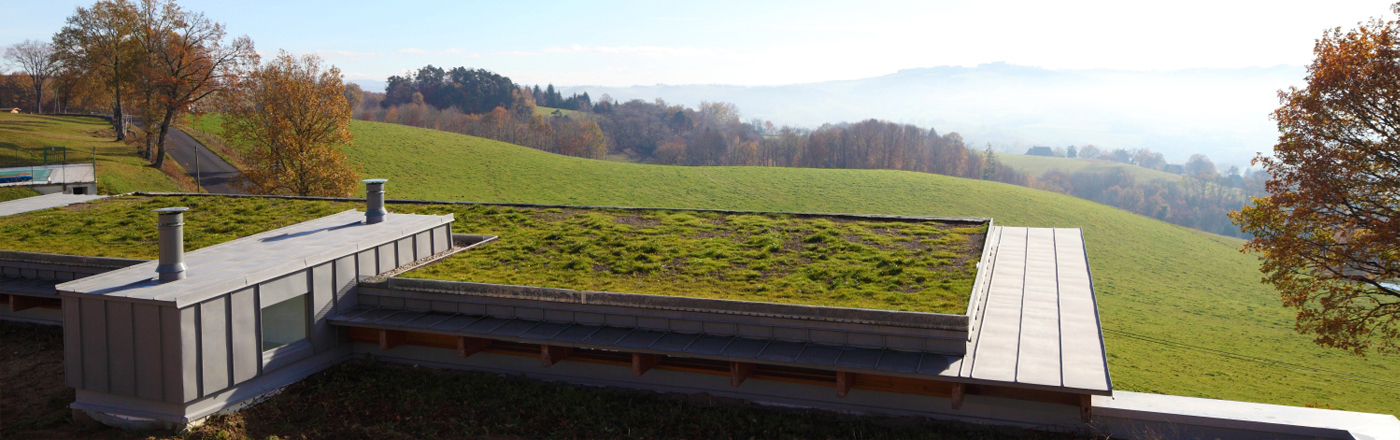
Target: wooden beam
(844, 381)
(550, 354)
(467, 346)
(23, 302)
(388, 339)
(958, 389)
(740, 371)
(1086, 407)
(642, 362)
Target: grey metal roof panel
(217, 269)
(863, 358)
(782, 351)
(429, 319)
(576, 333)
(745, 348)
(354, 313)
(401, 318)
(640, 338)
(900, 361)
(485, 325)
(607, 335)
(674, 341)
(28, 286)
(546, 330)
(709, 345)
(456, 322)
(513, 328)
(824, 355)
(937, 364)
(374, 316)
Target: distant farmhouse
(167, 343)
(1041, 151)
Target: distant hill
(1184, 311)
(1223, 113)
(1039, 165)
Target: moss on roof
(925, 266)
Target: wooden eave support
(551, 354)
(1086, 407)
(467, 346)
(740, 371)
(958, 390)
(388, 339)
(844, 381)
(642, 362)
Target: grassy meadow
(23, 138)
(14, 192)
(1039, 165)
(1183, 311)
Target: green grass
(916, 266)
(1039, 165)
(23, 138)
(1153, 280)
(14, 193)
(549, 111)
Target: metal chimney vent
(374, 201)
(171, 224)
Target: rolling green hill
(1183, 311)
(1039, 165)
(23, 138)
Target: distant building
(14, 110)
(1041, 151)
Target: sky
(625, 43)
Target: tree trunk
(160, 141)
(118, 118)
(38, 97)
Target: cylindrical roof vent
(374, 201)
(171, 224)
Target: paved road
(215, 175)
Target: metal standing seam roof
(45, 201)
(231, 265)
(1039, 327)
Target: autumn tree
(291, 114)
(37, 60)
(189, 61)
(103, 40)
(1328, 232)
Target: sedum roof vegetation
(840, 261)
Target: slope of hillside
(23, 138)
(1039, 165)
(1184, 311)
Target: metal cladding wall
(117, 348)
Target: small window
(284, 323)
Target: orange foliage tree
(1329, 230)
(291, 114)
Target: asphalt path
(215, 175)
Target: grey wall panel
(28, 273)
(344, 281)
(387, 260)
(558, 315)
(499, 311)
(121, 349)
(442, 239)
(654, 323)
(444, 306)
(687, 326)
(417, 304)
(385, 301)
(529, 313)
(73, 342)
(422, 245)
(368, 263)
(865, 340)
(322, 305)
(177, 355)
(405, 250)
(46, 275)
(791, 334)
(10, 271)
(471, 309)
(620, 321)
(278, 290)
(213, 345)
(243, 332)
(721, 328)
(755, 331)
(146, 322)
(94, 344)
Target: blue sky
(755, 43)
